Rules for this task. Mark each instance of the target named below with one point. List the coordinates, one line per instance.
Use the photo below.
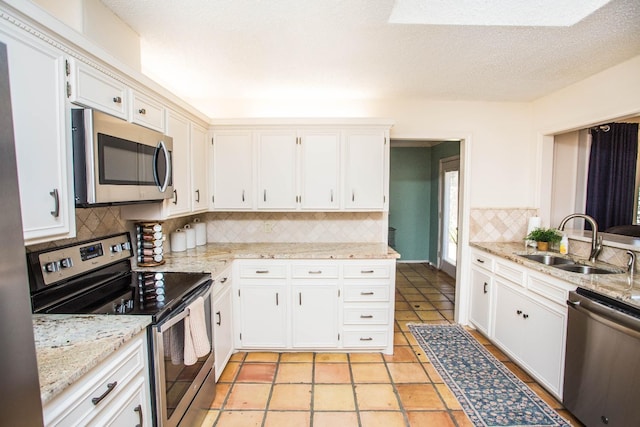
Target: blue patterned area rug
(489, 393)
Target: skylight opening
(525, 13)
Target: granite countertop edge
(621, 287)
(69, 346)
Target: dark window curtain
(612, 174)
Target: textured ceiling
(207, 50)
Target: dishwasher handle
(605, 313)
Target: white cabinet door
(263, 316)
(222, 328)
(95, 89)
(480, 299)
(508, 313)
(233, 170)
(37, 82)
(199, 191)
(320, 170)
(315, 315)
(178, 129)
(277, 170)
(364, 170)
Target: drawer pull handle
(366, 293)
(366, 316)
(262, 271)
(224, 279)
(277, 300)
(366, 271)
(366, 339)
(316, 272)
(117, 99)
(110, 388)
(142, 111)
(219, 318)
(56, 203)
(481, 261)
(138, 409)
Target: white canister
(191, 236)
(201, 231)
(178, 241)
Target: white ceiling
(207, 50)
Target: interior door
(448, 215)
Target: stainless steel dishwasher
(602, 364)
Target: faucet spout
(596, 239)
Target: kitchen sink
(569, 265)
(587, 269)
(548, 259)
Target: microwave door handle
(162, 186)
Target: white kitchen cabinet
(315, 310)
(115, 391)
(481, 291)
(222, 321)
(43, 147)
(320, 170)
(94, 89)
(198, 170)
(148, 112)
(178, 127)
(365, 168)
(531, 332)
(264, 316)
(233, 175)
(277, 174)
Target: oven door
(183, 393)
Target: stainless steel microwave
(117, 162)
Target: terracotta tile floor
(358, 389)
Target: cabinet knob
(525, 316)
(518, 312)
(142, 111)
(117, 99)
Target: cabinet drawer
(510, 272)
(365, 271)
(147, 112)
(315, 271)
(263, 271)
(482, 260)
(362, 315)
(550, 290)
(365, 338)
(97, 90)
(75, 405)
(365, 292)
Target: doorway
(448, 183)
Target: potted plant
(544, 236)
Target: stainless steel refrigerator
(20, 404)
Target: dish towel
(196, 338)
(173, 340)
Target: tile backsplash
(499, 224)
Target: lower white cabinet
(114, 393)
(222, 322)
(481, 287)
(314, 305)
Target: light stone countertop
(69, 346)
(617, 286)
(214, 257)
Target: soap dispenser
(564, 245)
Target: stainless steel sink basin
(586, 269)
(548, 259)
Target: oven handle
(162, 186)
(181, 312)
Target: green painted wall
(413, 199)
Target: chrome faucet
(596, 239)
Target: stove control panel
(66, 262)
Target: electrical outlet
(267, 227)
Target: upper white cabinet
(277, 189)
(43, 150)
(306, 167)
(364, 168)
(94, 89)
(233, 176)
(178, 129)
(320, 170)
(199, 157)
(147, 112)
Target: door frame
(454, 162)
